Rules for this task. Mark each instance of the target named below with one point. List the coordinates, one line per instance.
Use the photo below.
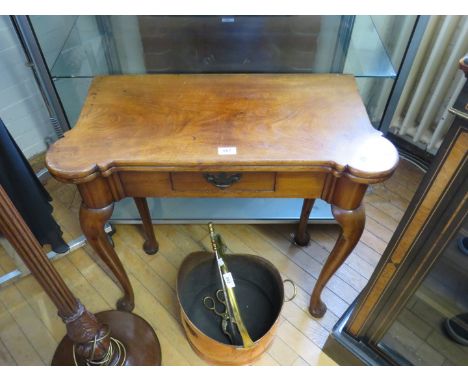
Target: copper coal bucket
(260, 295)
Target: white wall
(22, 108)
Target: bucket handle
(295, 290)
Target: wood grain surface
(300, 122)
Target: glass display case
(77, 48)
(414, 310)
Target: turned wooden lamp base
(140, 340)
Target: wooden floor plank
(373, 241)
(409, 174)
(169, 354)
(28, 316)
(32, 327)
(317, 256)
(6, 263)
(163, 322)
(359, 265)
(263, 248)
(152, 280)
(6, 359)
(16, 342)
(302, 321)
(282, 352)
(305, 263)
(197, 231)
(97, 278)
(305, 348)
(368, 254)
(42, 306)
(379, 230)
(384, 205)
(387, 194)
(266, 360)
(398, 188)
(384, 218)
(300, 362)
(89, 295)
(158, 262)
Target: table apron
(340, 191)
(250, 185)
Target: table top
(243, 122)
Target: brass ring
(295, 290)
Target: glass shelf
(226, 210)
(367, 56)
(102, 45)
(82, 54)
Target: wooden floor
(30, 328)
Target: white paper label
(220, 262)
(228, 19)
(227, 150)
(229, 280)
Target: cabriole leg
(150, 246)
(302, 237)
(92, 222)
(352, 224)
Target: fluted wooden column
(87, 337)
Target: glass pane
(394, 33)
(202, 210)
(80, 47)
(432, 329)
(72, 92)
(22, 108)
(375, 92)
(369, 47)
(367, 56)
(92, 45)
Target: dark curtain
(27, 193)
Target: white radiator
(433, 83)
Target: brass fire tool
(228, 286)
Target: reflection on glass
(80, 47)
(366, 55)
(150, 44)
(153, 44)
(432, 329)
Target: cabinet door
(421, 282)
(432, 327)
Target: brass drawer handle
(222, 180)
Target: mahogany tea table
(223, 135)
